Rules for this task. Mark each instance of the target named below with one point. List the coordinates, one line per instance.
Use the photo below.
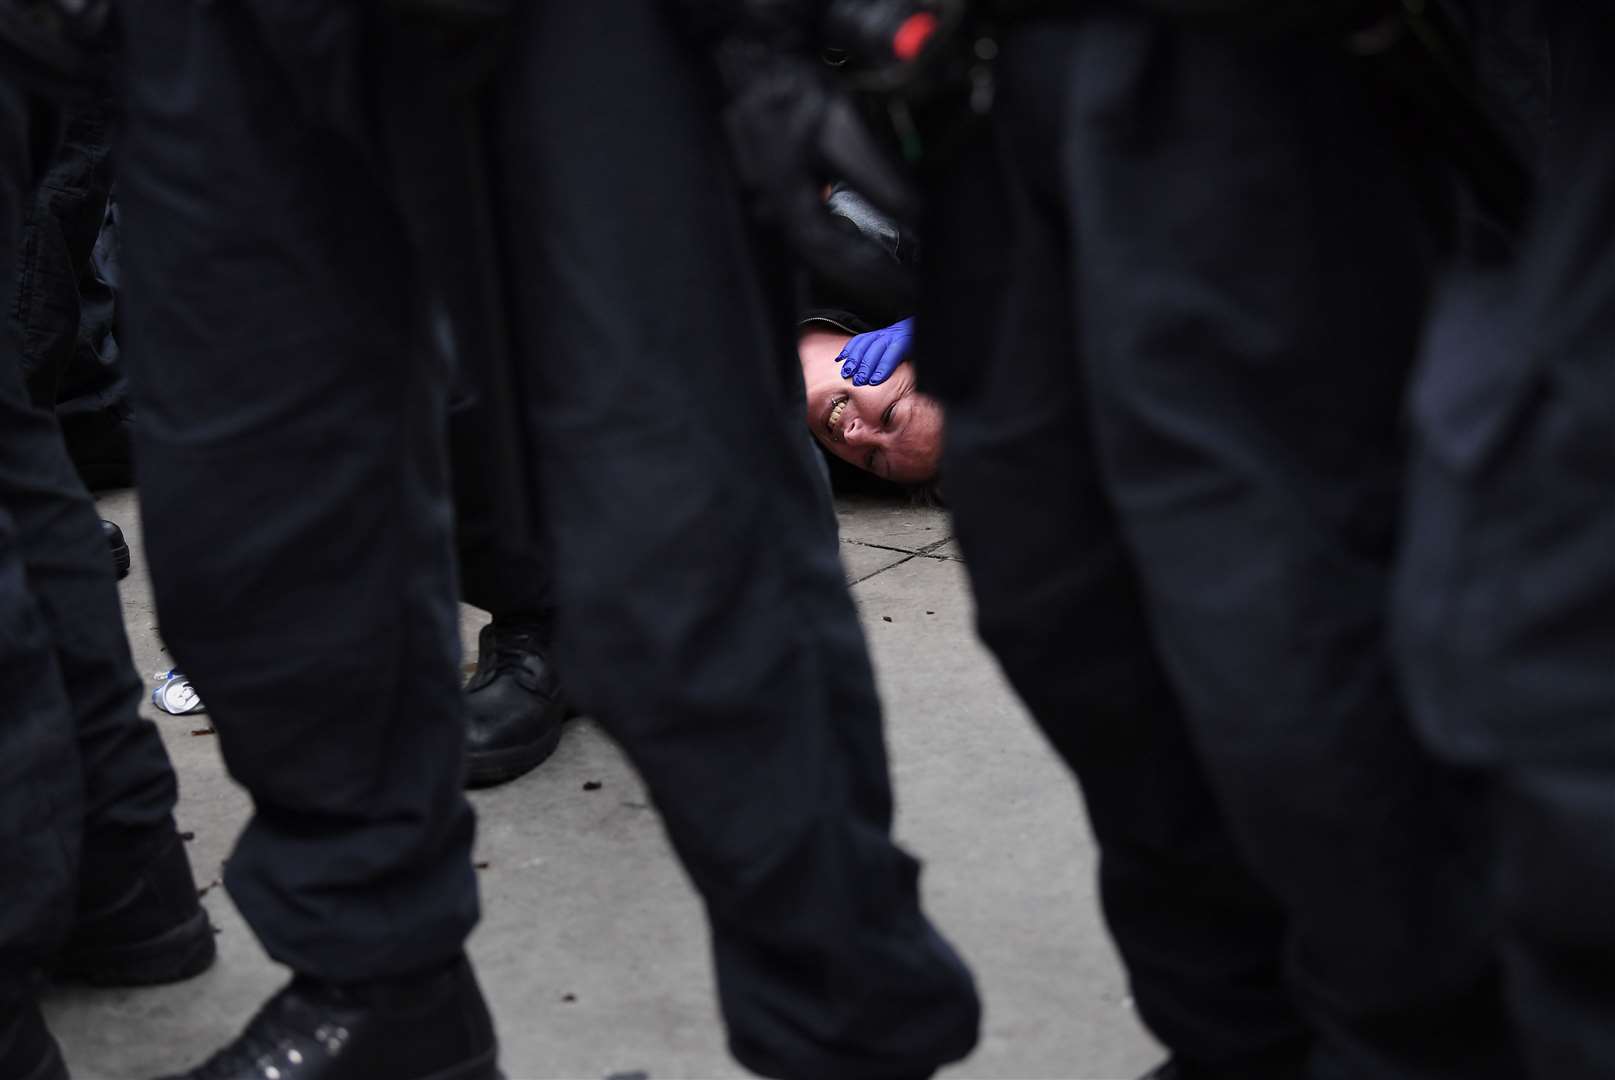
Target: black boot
(27, 1050)
(433, 1027)
(513, 704)
(140, 929)
(119, 547)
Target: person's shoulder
(834, 318)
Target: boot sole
(186, 950)
(120, 559)
(490, 767)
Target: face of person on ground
(891, 430)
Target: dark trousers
(1506, 592)
(1175, 464)
(86, 791)
(65, 293)
(497, 539)
(291, 455)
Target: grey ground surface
(593, 950)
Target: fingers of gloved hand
(866, 364)
(868, 357)
(884, 360)
(869, 363)
(852, 354)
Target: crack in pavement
(911, 555)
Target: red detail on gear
(911, 37)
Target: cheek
(840, 450)
(850, 454)
(868, 409)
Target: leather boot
(513, 704)
(118, 546)
(432, 1027)
(140, 929)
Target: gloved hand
(871, 357)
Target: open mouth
(832, 421)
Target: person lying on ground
(862, 405)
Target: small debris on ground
(203, 731)
(885, 618)
(569, 997)
(483, 865)
(209, 887)
(591, 785)
(187, 836)
(637, 1075)
(930, 613)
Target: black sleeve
(849, 297)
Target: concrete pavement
(593, 950)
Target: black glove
(793, 133)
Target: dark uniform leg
(88, 849)
(57, 242)
(1058, 600)
(502, 570)
(64, 307)
(291, 450)
(702, 612)
(1244, 281)
(1506, 592)
(435, 142)
(1250, 289)
(41, 787)
(513, 703)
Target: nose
(857, 433)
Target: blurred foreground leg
(702, 612)
(292, 465)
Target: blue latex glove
(870, 357)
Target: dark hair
(928, 493)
